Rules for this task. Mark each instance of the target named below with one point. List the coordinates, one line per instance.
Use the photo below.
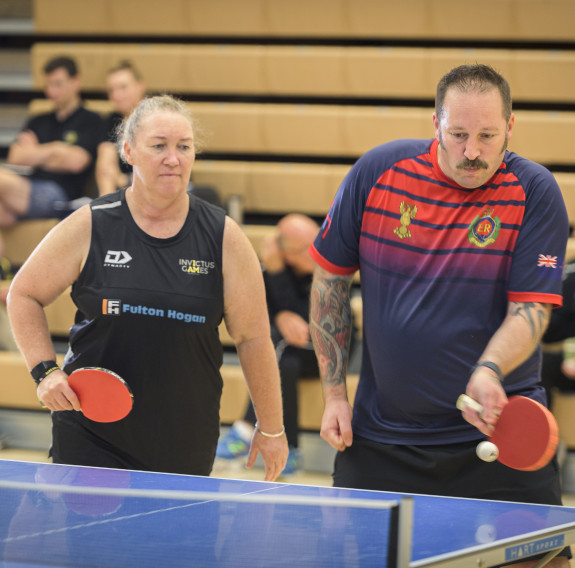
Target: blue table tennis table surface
(41, 526)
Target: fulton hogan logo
(117, 258)
(117, 307)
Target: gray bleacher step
(15, 82)
(12, 118)
(15, 70)
(17, 26)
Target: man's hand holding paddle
(484, 387)
(522, 433)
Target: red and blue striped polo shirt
(439, 264)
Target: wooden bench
(330, 71)
(17, 391)
(21, 239)
(507, 20)
(235, 398)
(273, 188)
(564, 411)
(349, 131)
(19, 242)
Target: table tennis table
(55, 515)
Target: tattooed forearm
(330, 326)
(536, 315)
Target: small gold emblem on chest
(408, 212)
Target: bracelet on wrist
(490, 365)
(43, 369)
(270, 435)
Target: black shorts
(452, 470)
(73, 444)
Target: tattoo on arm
(535, 314)
(330, 326)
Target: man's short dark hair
(468, 78)
(63, 62)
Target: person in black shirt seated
(59, 148)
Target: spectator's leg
(14, 197)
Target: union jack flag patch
(547, 261)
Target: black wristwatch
(43, 369)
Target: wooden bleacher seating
(19, 242)
(563, 404)
(337, 130)
(391, 72)
(22, 239)
(566, 182)
(273, 187)
(330, 71)
(235, 398)
(507, 20)
(17, 391)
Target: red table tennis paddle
(526, 434)
(104, 396)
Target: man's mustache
(467, 163)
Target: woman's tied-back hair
(128, 128)
(126, 65)
(473, 78)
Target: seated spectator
(126, 89)
(59, 147)
(288, 270)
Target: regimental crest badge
(484, 229)
(408, 212)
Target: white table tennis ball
(487, 451)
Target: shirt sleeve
(538, 257)
(336, 247)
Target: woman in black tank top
(154, 270)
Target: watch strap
(490, 365)
(43, 369)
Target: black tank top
(149, 310)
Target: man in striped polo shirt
(460, 245)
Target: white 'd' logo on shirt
(117, 257)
